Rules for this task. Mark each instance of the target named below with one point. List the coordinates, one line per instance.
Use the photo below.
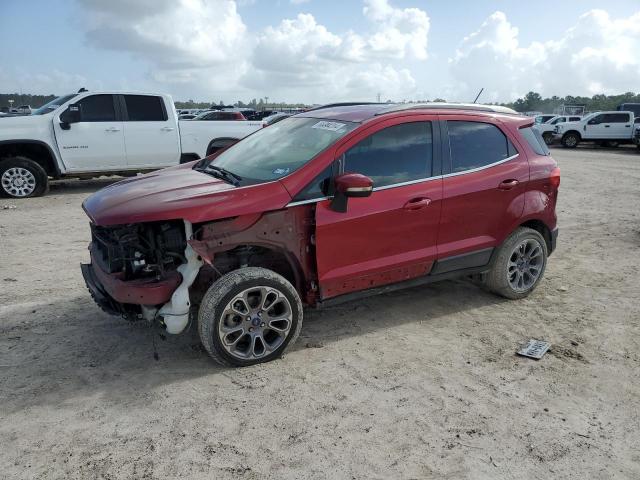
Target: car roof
(368, 111)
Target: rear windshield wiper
(224, 174)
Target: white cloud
(302, 55)
(597, 55)
(50, 82)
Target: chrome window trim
(411, 182)
(477, 169)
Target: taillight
(554, 178)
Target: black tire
(570, 140)
(214, 307)
(547, 137)
(498, 278)
(40, 177)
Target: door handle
(508, 184)
(417, 203)
(607, 126)
(627, 125)
(112, 129)
(167, 129)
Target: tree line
(533, 101)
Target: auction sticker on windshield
(331, 126)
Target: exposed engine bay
(144, 250)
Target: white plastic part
(176, 311)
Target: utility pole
(378, 97)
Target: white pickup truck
(607, 128)
(547, 128)
(87, 134)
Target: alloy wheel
(18, 182)
(525, 265)
(255, 323)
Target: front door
(150, 132)
(483, 191)
(391, 235)
(96, 142)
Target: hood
(23, 126)
(180, 193)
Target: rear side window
(145, 108)
(616, 118)
(535, 140)
(394, 155)
(475, 145)
(97, 108)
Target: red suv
(322, 207)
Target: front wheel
(21, 177)
(519, 264)
(248, 316)
(547, 137)
(571, 140)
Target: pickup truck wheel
(547, 137)
(570, 140)
(21, 177)
(248, 316)
(519, 264)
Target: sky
(320, 51)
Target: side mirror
(350, 185)
(69, 116)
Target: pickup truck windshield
(53, 104)
(280, 149)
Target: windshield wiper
(224, 174)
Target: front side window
(53, 104)
(597, 119)
(97, 108)
(475, 145)
(394, 155)
(144, 108)
(275, 152)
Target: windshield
(53, 104)
(280, 149)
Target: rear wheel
(570, 140)
(249, 316)
(21, 177)
(519, 264)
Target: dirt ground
(421, 383)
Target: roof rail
(344, 104)
(447, 106)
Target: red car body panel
(180, 193)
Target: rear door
(96, 142)
(391, 235)
(483, 190)
(151, 137)
(618, 125)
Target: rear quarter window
(535, 140)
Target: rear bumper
(109, 289)
(554, 240)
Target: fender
(53, 154)
(289, 232)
